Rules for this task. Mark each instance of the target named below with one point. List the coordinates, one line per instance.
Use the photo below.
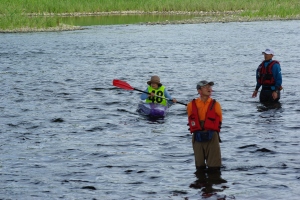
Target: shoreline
(200, 17)
(222, 19)
(61, 27)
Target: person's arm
(257, 86)
(168, 96)
(144, 96)
(254, 94)
(276, 70)
(189, 108)
(218, 110)
(257, 77)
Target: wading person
(156, 90)
(268, 76)
(205, 119)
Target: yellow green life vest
(158, 92)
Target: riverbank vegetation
(46, 14)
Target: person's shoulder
(276, 64)
(189, 104)
(211, 99)
(195, 99)
(218, 105)
(216, 101)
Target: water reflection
(206, 179)
(121, 19)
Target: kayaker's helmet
(155, 79)
(203, 83)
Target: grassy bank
(45, 14)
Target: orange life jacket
(212, 120)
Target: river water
(68, 133)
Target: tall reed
(17, 13)
(272, 7)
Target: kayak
(152, 110)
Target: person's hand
(174, 100)
(152, 94)
(274, 95)
(254, 94)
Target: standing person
(205, 119)
(268, 75)
(156, 90)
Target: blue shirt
(276, 71)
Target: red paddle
(124, 85)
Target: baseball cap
(268, 51)
(203, 83)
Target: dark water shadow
(265, 106)
(153, 120)
(206, 180)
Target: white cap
(268, 51)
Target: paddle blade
(122, 84)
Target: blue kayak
(152, 110)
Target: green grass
(15, 13)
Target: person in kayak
(268, 75)
(205, 119)
(157, 93)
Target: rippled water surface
(68, 133)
